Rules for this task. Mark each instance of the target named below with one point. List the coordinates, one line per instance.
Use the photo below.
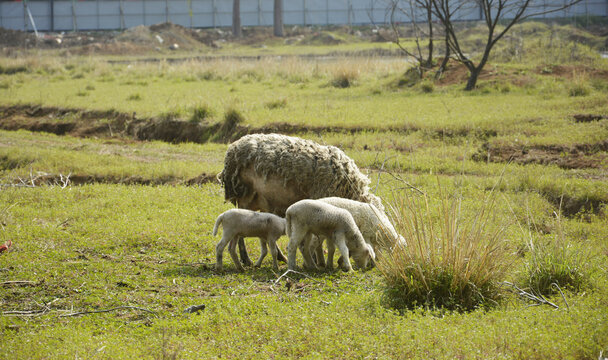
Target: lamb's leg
(340, 241)
(292, 248)
(235, 258)
(263, 252)
(319, 254)
(272, 243)
(280, 255)
(308, 261)
(331, 249)
(243, 252)
(219, 251)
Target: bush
(448, 262)
(555, 261)
(134, 97)
(344, 77)
(276, 104)
(200, 113)
(427, 86)
(579, 89)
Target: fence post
(122, 16)
(74, 23)
(304, 12)
(166, 11)
(214, 12)
(259, 12)
(327, 12)
(24, 16)
(52, 5)
(349, 10)
(190, 12)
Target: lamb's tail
(217, 223)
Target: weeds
(449, 262)
(344, 77)
(200, 113)
(134, 97)
(555, 260)
(276, 104)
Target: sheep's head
(364, 256)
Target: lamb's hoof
(247, 262)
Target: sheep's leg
(263, 252)
(308, 261)
(319, 253)
(331, 249)
(272, 243)
(292, 248)
(280, 255)
(243, 252)
(219, 251)
(232, 250)
(340, 241)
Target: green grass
(102, 246)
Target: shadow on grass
(265, 273)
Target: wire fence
(72, 15)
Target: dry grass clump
(450, 262)
(344, 77)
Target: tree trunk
(472, 81)
(444, 62)
(278, 18)
(236, 18)
(429, 60)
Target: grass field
(104, 266)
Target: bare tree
(278, 18)
(423, 58)
(492, 13)
(236, 18)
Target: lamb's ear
(372, 253)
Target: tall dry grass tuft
(450, 261)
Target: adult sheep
(270, 172)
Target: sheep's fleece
(316, 170)
(374, 225)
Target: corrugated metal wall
(65, 15)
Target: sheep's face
(364, 256)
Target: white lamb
(313, 217)
(374, 225)
(246, 223)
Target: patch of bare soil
(577, 156)
(582, 118)
(90, 123)
(457, 73)
(572, 71)
(113, 124)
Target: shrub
(344, 77)
(554, 260)
(579, 89)
(134, 97)
(448, 262)
(427, 86)
(276, 104)
(200, 113)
